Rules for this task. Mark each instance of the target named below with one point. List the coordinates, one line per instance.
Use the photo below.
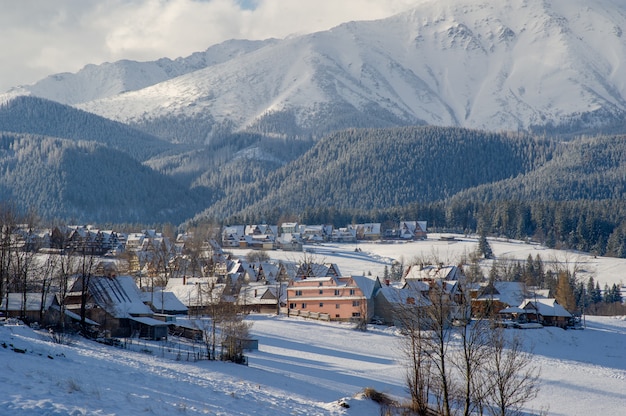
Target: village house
(442, 280)
(490, 298)
(392, 301)
(546, 311)
(29, 307)
(336, 298)
(262, 298)
(116, 304)
(343, 235)
(197, 294)
(369, 231)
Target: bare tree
(410, 316)
(67, 268)
(86, 272)
(8, 246)
(234, 333)
(46, 272)
(510, 375)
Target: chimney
(387, 282)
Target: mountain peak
(470, 63)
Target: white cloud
(40, 38)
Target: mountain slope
(87, 182)
(108, 79)
(380, 168)
(26, 114)
(472, 63)
(586, 168)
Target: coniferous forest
(562, 190)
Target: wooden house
(547, 312)
(115, 303)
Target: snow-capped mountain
(472, 63)
(109, 79)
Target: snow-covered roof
(119, 296)
(368, 285)
(33, 302)
(166, 301)
(200, 293)
(546, 307)
(431, 272)
(257, 295)
(396, 295)
(148, 321)
(509, 293)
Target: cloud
(41, 37)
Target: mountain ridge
(465, 63)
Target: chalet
(392, 302)
(432, 272)
(259, 298)
(29, 307)
(163, 302)
(339, 298)
(197, 294)
(369, 231)
(547, 312)
(316, 233)
(289, 228)
(489, 298)
(412, 230)
(307, 270)
(343, 235)
(442, 281)
(115, 303)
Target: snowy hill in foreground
(471, 63)
(301, 368)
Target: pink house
(341, 298)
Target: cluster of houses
(144, 299)
(291, 235)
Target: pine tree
(616, 295)
(484, 249)
(597, 294)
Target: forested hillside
(32, 115)
(87, 182)
(381, 168)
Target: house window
(356, 314)
(336, 292)
(351, 292)
(321, 304)
(304, 306)
(336, 306)
(321, 283)
(321, 292)
(292, 306)
(298, 293)
(337, 315)
(356, 303)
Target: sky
(40, 37)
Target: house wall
(325, 296)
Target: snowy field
(305, 367)
(301, 368)
(372, 257)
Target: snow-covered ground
(302, 367)
(373, 257)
